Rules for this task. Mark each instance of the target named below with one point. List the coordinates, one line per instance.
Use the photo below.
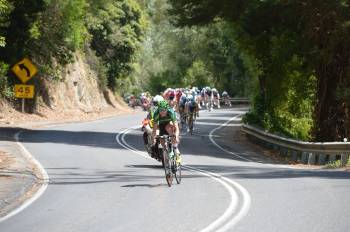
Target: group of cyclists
(173, 110)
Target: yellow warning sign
(24, 70)
(24, 91)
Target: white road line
(214, 226)
(221, 223)
(220, 147)
(245, 194)
(211, 135)
(44, 178)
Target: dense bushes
(301, 50)
(51, 31)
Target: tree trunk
(331, 110)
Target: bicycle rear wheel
(167, 167)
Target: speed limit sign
(24, 91)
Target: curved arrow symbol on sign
(23, 66)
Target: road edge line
(45, 179)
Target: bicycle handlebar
(164, 136)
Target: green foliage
(17, 27)
(5, 9)
(50, 32)
(196, 56)
(334, 164)
(117, 29)
(59, 31)
(269, 35)
(5, 90)
(198, 75)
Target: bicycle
(183, 119)
(191, 119)
(171, 168)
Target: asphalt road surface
(101, 180)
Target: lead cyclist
(165, 121)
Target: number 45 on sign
(24, 91)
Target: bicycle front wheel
(167, 167)
(177, 172)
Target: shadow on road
(130, 175)
(133, 175)
(144, 185)
(197, 145)
(80, 138)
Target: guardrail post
(312, 159)
(344, 159)
(304, 157)
(283, 151)
(269, 145)
(276, 147)
(321, 159)
(294, 156)
(332, 158)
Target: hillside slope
(76, 96)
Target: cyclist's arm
(155, 125)
(177, 131)
(176, 125)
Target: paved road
(98, 184)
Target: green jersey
(170, 117)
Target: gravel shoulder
(19, 178)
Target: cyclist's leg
(190, 120)
(162, 131)
(147, 139)
(198, 100)
(170, 128)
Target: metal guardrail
(305, 152)
(237, 100)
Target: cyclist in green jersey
(165, 121)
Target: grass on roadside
(337, 164)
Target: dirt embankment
(75, 97)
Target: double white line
(236, 210)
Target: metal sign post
(23, 101)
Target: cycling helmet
(172, 94)
(189, 98)
(157, 99)
(183, 99)
(163, 105)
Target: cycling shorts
(162, 130)
(192, 108)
